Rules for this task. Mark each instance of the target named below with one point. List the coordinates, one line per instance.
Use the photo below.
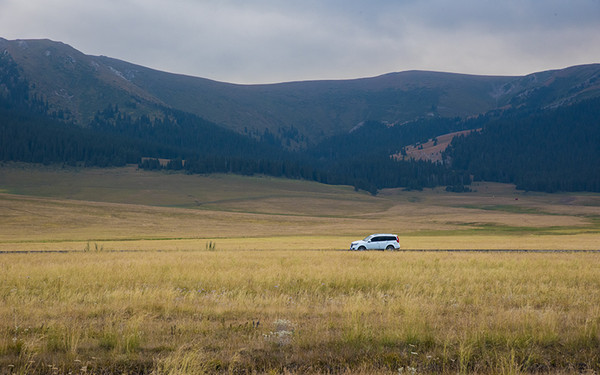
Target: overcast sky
(260, 41)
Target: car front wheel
(361, 248)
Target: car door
(375, 243)
(388, 241)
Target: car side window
(377, 239)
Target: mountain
(552, 150)
(72, 82)
(79, 85)
(540, 131)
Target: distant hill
(552, 150)
(410, 129)
(304, 113)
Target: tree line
(551, 150)
(113, 139)
(369, 174)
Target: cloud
(273, 40)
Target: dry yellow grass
(316, 311)
(174, 274)
(183, 212)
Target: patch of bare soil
(430, 150)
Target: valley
(130, 209)
(161, 224)
(125, 270)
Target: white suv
(381, 241)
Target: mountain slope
(540, 131)
(322, 108)
(80, 85)
(74, 83)
(552, 150)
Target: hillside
(552, 150)
(300, 113)
(163, 210)
(432, 149)
(72, 83)
(59, 106)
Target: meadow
(124, 271)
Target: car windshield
(368, 238)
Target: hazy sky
(256, 41)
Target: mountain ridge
(80, 85)
(540, 131)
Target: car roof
(382, 234)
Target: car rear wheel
(390, 247)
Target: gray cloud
(273, 40)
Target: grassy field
(119, 270)
(299, 312)
(125, 209)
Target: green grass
(509, 208)
(129, 185)
(490, 228)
